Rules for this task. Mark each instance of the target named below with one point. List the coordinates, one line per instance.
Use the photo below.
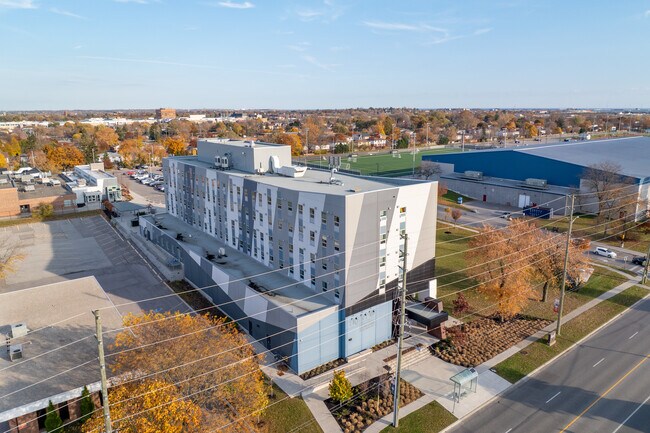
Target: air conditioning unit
(222, 251)
(470, 174)
(15, 352)
(19, 330)
(536, 183)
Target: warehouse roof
(632, 154)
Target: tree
(9, 256)
(614, 192)
(45, 210)
(461, 305)
(53, 421)
(428, 169)
(105, 138)
(341, 148)
(292, 140)
(86, 405)
(456, 214)
(228, 379)
(499, 261)
(3, 161)
(175, 146)
(148, 406)
(64, 157)
(442, 189)
(549, 265)
(340, 387)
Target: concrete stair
(411, 358)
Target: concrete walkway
(432, 375)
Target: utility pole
(462, 141)
(401, 285)
(102, 369)
(566, 264)
(307, 139)
(414, 137)
(427, 135)
(644, 278)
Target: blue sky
(105, 54)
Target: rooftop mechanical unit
(19, 330)
(536, 183)
(474, 175)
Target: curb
(534, 372)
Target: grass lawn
(601, 281)
(585, 227)
(36, 219)
(453, 197)
(379, 163)
(288, 414)
(429, 419)
(520, 364)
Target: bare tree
(9, 255)
(455, 215)
(428, 169)
(612, 190)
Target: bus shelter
(466, 380)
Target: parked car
(640, 260)
(155, 183)
(146, 181)
(605, 252)
(161, 188)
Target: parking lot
(78, 247)
(151, 195)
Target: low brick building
(17, 199)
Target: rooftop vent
(536, 183)
(15, 352)
(470, 174)
(19, 330)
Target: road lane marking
(632, 336)
(630, 416)
(598, 362)
(509, 430)
(645, 358)
(558, 393)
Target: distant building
(165, 113)
(546, 173)
(311, 257)
(91, 185)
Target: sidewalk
(432, 375)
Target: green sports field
(381, 164)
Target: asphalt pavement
(601, 385)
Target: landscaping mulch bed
(373, 400)
(322, 369)
(383, 344)
(471, 344)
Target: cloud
(336, 49)
(67, 13)
(482, 31)
(329, 12)
(18, 4)
(315, 62)
(647, 14)
(140, 2)
(300, 46)
(420, 28)
(234, 5)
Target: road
(602, 385)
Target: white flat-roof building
(92, 184)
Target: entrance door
(524, 200)
(484, 197)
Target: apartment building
(308, 259)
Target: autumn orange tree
(292, 140)
(498, 260)
(105, 138)
(64, 157)
(148, 406)
(175, 146)
(207, 359)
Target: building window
(337, 294)
(300, 209)
(323, 241)
(290, 206)
(324, 264)
(337, 221)
(323, 218)
(324, 285)
(312, 213)
(312, 237)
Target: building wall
(510, 164)
(10, 202)
(245, 158)
(506, 195)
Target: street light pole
(566, 264)
(644, 278)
